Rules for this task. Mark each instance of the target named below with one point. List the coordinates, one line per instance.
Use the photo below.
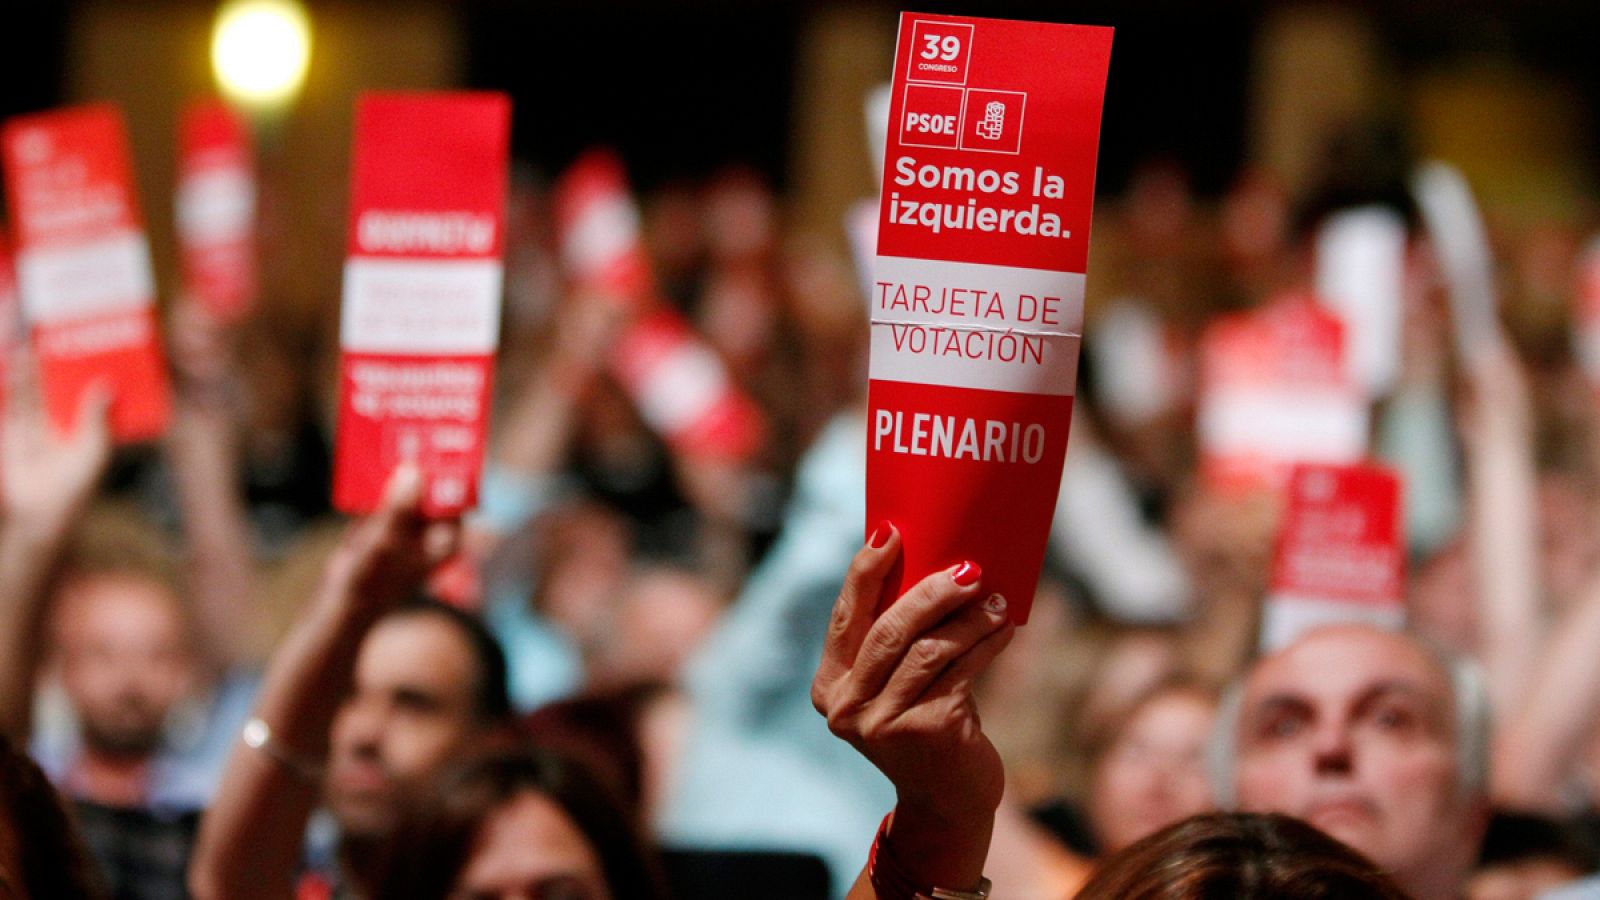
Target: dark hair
(50, 852)
(433, 840)
(491, 697)
(1250, 856)
(602, 729)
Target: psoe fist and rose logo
(941, 111)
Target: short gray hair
(1468, 687)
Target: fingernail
(966, 574)
(995, 605)
(406, 483)
(880, 535)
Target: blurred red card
(83, 266)
(677, 382)
(420, 319)
(216, 209)
(682, 389)
(602, 246)
(977, 295)
(1275, 390)
(1340, 555)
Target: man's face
(1352, 729)
(125, 662)
(410, 712)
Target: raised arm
(1541, 737)
(250, 838)
(898, 688)
(46, 480)
(1503, 535)
(202, 448)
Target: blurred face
(410, 712)
(529, 849)
(661, 618)
(1154, 772)
(125, 660)
(1352, 729)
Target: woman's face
(1154, 772)
(529, 849)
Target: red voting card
(420, 319)
(83, 266)
(216, 208)
(679, 385)
(1340, 555)
(977, 297)
(1275, 390)
(601, 243)
(681, 388)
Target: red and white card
(83, 266)
(1275, 390)
(1340, 554)
(602, 244)
(977, 302)
(680, 386)
(420, 319)
(216, 209)
(683, 391)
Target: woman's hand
(898, 687)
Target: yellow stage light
(260, 50)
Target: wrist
(909, 862)
(40, 530)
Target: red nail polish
(966, 574)
(880, 534)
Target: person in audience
(1372, 737)
(1152, 772)
(149, 660)
(367, 701)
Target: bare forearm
(1504, 531)
(1536, 748)
(28, 558)
(250, 838)
(203, 450)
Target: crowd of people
(640, 671)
